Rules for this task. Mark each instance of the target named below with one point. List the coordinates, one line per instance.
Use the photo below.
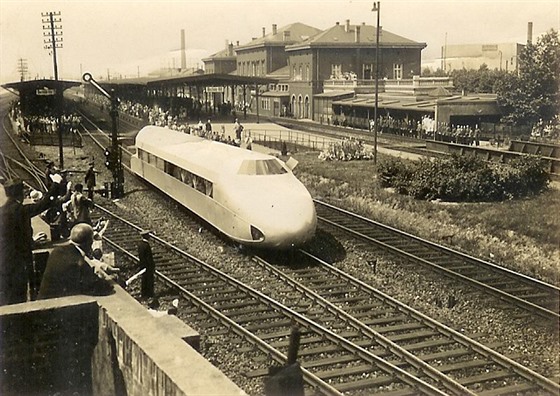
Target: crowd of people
(43, 124)
(158, 116)
(66, 209)
(426, 128)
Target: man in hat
(16, 241)
(146, 262)
(89, 180)
(71, 269)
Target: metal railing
(275, 139)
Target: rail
(537, 298)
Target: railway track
(533, 296)
(354, 338)
(14, 162)
(404, 336)
(264, 322)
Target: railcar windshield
(261, 167)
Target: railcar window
(190, 179)
(261, 167)
(142, 155)
(160, 164)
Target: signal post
(113, 156)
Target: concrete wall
(102, 346)
(46, 346)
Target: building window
(368, 71)
(263, 69)
(397, 71)
(307, 73)
(336, 71)
(294, 72)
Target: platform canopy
(40, 86)
(40, 97)
(210, 80)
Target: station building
(329, 77)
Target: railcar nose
(290, 220)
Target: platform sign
(45, 92)
(214, 89)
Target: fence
(293, 140)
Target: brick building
(343, 56)
(329, 76)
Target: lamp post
(377, 9)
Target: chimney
(338, 23)
(357, 34)
(274, 28)
(183, 51)
(286, 35)
(227, 44)
(347, 27)
(230, 49)
(237, 43)
(264, 31)
(530, 33)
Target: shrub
(392, 171)
(466, 179)
(346, 150)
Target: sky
(119, 38)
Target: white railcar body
(252, 198)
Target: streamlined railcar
(252, 198)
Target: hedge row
(465, 178)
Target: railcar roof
(202, 156)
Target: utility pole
(376, 8)
(22, 68)
(53, 40)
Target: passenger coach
(252, 198)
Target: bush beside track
(466, 179)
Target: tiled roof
(220, 55)
(282, 71)
(298, 33)
(339, 35)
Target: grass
(521, 234)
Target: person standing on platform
(208, 127)
(71, 270)
(16, 240)
(248, 141)
(51, 170)
(80, 205)
(89, 180)
(146, 262)
(237, 128)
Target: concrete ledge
(154, 360)
(134, 354)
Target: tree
(533, 94)
(482, 80)
(427, 72)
